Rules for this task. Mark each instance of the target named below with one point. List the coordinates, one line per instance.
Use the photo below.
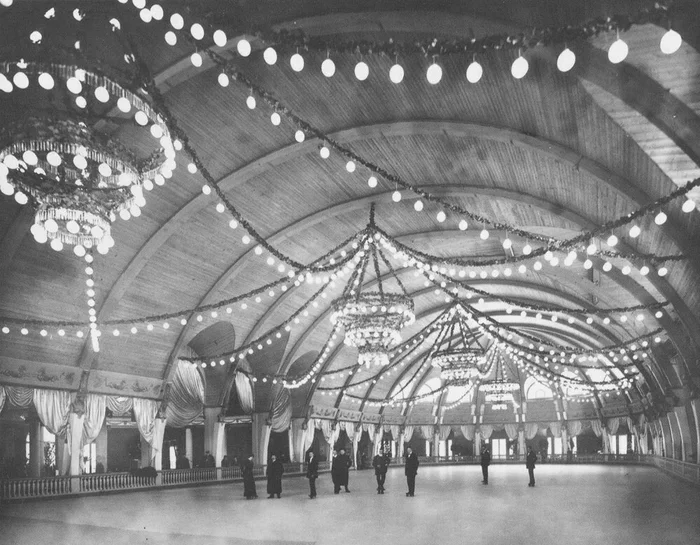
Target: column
(261, 438)
(189, 451)
(521, 444)
(606, 440)
(157, 445)
(477, 443)
(667, 436)
(564, 440)
(214, 434)
(695, 404)
(101, 447)
(296, 438)
(684, 431)
(75, 435)
(36, 448)
(436, 447)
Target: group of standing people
(530, 460)
(274, 472)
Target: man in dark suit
(380, 466)
(485, 462)
(312, 474)
(411, 470)
(344, 465)
(530, 465)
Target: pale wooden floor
(571, 505)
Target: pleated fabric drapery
(597, 427)
(427, 432)
(511, 431)
(574, 427)
(485, 430)
(613, 425)
(53, 407)
(408, 433)
(145, 411)
(307, 438)
(281, 411)
(445, 432)
(3, 396)
(555, 428)
(19, 396)
(95, 406)
(186, 396)
(395, 431)
(468, 431)
(244, 389)
(120, 406)
(531, 429)
(329, 434)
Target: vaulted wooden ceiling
(551, 153)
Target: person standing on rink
(344, 464)
(248, 479)
(530, 465)
(275, 469)
(485, 462)
(411, 470)
(380, 466)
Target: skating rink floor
(571, 505)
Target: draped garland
(185, 397)
(485, 430)
(281, 414)
(407, 433)
(95, 411)
(53, 408)
(531, 429)
(468, 431)
(120, 406)
(244, 389)
(511, 431)
(19, 396)
(145, 411)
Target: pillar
(189, 450)
(684, 432)
(695, 405)
(75, 434)
(157, 445)
(477, 443)
(606, 440)
(521, 444)
(297, 449)
(436, 446)
(667, 436)
(564, 440)
(36, 448)
(101, 447)
(214, 434)
(261, 438)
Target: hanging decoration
(499, 390)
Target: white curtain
(574, 427)
(597, 427)
(244, 389)
(445, 432)
(281, 411)
(613, 425)
(308, 436)
(53, 407)
(330, 434)
(486, 430)
(20, 396)
(95, 406)
(145, 411)
(531, 430)
(185, 397)
(120, 406)
(555, 427)
(408, 433)
(511, 431)
(395, 431)
(468, 431)
(3, 395)
(427, 432)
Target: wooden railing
(16, 489)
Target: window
(622, 444)
(498, 448)
(557, 446)
(172, 454)
(536, 390)
(27, 448)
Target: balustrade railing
(684, 470)
(34, 488)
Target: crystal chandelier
(372, 320)
(460, 358)
(499, 390)
(77, 178)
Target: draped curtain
(395, 432)
(574, 427)
(53, 407)
(244, 389)
(407, 433)
(445, 432)
(511, 431)
(468, 431)
(613, 425)
(145, 411)
(531, 430)
(308, 436)
(485, 430)
(95, 406)
(555, 427)
(597, 427)
(3, 395)
(186, 396)
(120, 406)
(329, 434)
(427, 432)
(19, 396)
(281, 411)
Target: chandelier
(372, 320)
(460, 358)
(499, 390)
(77, 178)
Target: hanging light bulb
(220, 38)
(618, 51)
(350, 166)
(372, 182)
(328, 68)
(361, 71)
(441, 216)
(474, 72)
(566, 60)
(324, 152)
(507, 244)
(688, 206)
(612, 240)
(297, 62)
(275, 118)
(418, 205)
(196, 59)
(484, 234)
(223, 79)
(434, 73)
(396, 196)
(607, 266)
(46, 81)
(635, 231)
(396, 73)
(660, 218)
(587, 264)
(270, 55)
(663, 271)
(527, 249)
(197, 31)
(519, 67)
(463, 225)
(243, 47)
(670, 42)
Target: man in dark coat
(312, 474)
(530, 465)
(248, 479)
(380, 466)
(411, 470)
(344, 465)
(485, 462)
(274, 472)
(335, 472)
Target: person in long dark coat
(530, 465)
(248, 479)
(485, 462)
(411, 470)
(344, 463)
(312, 474)
(274, 472)
(379, 463)
(335, 472)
